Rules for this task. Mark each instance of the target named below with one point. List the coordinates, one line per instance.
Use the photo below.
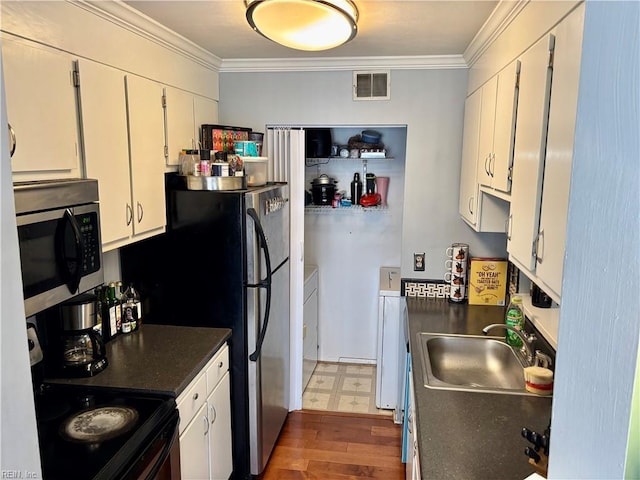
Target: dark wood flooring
(317, 445)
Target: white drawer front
(191, 400)
(217, 367)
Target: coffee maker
(81, 349)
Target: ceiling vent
(371, 85)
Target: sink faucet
(527, 339)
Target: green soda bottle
(514, 318)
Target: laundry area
(345, 246)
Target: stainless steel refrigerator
(224, 262)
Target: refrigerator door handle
(266, 283)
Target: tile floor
(343, 387)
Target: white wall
(599, 321)
(429, 102)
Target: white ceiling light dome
(311, 25)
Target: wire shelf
(329, 210)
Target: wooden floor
(319, 445)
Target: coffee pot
(82, 352)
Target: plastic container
(371, 136)
(255, 169)
(246, 149)
(514, 318)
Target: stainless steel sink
(471, 363)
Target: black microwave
(59, 238)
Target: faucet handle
(542, 359)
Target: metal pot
(323, 188)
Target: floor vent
(371, 85)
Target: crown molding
(501, 17)
(245, 65)
(136, 22)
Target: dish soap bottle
(514, 318)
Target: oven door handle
(166, 451)
(70, 266)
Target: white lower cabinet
(194, 447)
(205, 423)
(219, 416)
(310, 325)
(412, 471)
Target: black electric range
(98, 434)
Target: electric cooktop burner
(99, 424)
(96, 434)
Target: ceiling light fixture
(310, 25)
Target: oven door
(60, 255)
(160, 459)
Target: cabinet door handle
(195, 396)
(212, 413)
(221, 364)
(470, 204)
(140, 212)
(12, 140)
(510, 225)
(206, 424)
(129, 214)
(540, 247)
(487, 169)
(492, 165)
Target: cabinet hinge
(517, 80)
(76, 78)
(164, 101)
(552, 48)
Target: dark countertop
(470, 435)
(159, 359)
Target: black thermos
(356, 189)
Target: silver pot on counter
(323, 188)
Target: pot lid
(323, 180)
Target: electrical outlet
(418, 262)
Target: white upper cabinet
(123, 134)
(41, 109)
(504, 127)
(205, 112)
(180, 125)
(106, 148)
(560, 139)
(482, 212)
(529, 151)
(184, 113)
(468, 206)
(544, 153)
(146, 150)
(497, 128)
(487, 129)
